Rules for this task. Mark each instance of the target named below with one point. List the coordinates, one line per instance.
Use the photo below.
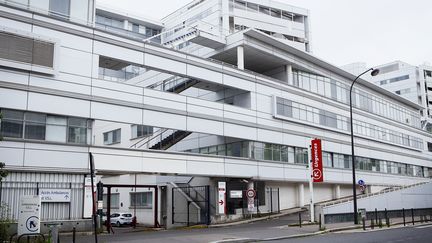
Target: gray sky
(344, 31)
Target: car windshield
(127, 215)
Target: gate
(191, 205)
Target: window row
(288, 108)
(362, 100)
(393, 80)
(38, 126)
(136, 199)
(137, 131)
(274, 12)
(297, 155)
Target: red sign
(317, 165)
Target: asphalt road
(416, 234)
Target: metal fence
(401, 215)
(17, 184)
(191, 205)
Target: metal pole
(188, 223)
(156, 207)
(300, 220)
(376, 216)
(73, 234)
(208, 204)
(278, 200)
(271, 200)
(172, 205)
(92, 174)
(312, 208)
(412, 215)
(352, 149)
(403, 215)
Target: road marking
(423, 227)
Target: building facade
(243, 112)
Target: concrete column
(126, 24)
(240, 57)
(337, 193)
(289, 74)
(300, 190)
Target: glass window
(276, 13)
(56, 129)
(77, 130)
(264, 10)
(141, 131)
(301, 156)
(35, 126)
(135, 28)
(112, 137)
(60, 8)
(327, 159)
(141, 199)
(12, 123)
(252, 7)
(115, 201)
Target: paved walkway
(276, 228)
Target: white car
(119, 219)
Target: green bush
(5, 222)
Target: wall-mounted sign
(236, 194)
(88, 200)
(55, 195)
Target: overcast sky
(344, 31)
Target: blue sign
(361, 182)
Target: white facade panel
(75, 62)
(55, 157)
(56, 105)
(165, 120)
(117, 113)
(12, 153)
(14, 77)
(157, 62)
(117, 52)
(13, 99)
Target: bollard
(380, 222)
(300, 220)
(376, 216)
(364, 223)
(412, 215)
(388, 222)
(319, 222)
(372, 224)
(385, 213)
(403, 215)
(73, 234)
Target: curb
(247, 240)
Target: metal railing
(387, 190)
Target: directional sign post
(222, 197)
(251, 194)
(316, 171)
(29, 215)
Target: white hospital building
(217, 91)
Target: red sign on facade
(317, 165)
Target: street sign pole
(310, 175)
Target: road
(416, 234)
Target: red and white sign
(250, 193)
(222, 197)
(317, 165)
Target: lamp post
(373, 73)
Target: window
(60, 8)
(429, 147)
(56, 129)
(35, 126)
(38, 126)
(141, 199)
(301, 156)
(112, 137)
(12, 124)
(115, 200)
(77, 129)
(141, 131)
(135, 28)
(26, 50)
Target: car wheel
(118, 224)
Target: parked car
(119, 219)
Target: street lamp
(374, 72)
